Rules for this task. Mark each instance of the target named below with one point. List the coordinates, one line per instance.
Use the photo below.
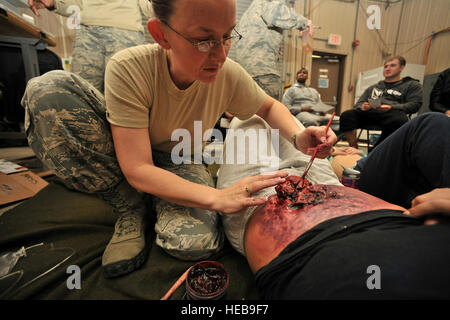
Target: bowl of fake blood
(207, 280)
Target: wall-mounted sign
(323, 83)
(334, 39)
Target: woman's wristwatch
(294, 139)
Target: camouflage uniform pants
(179, 227)
(67, 129)
(271, 84)
(95, 45)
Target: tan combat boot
(126, 251)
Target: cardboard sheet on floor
(19, 186)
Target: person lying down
(316, 239)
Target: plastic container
(350, 178)
(207, 280)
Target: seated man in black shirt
(328, 249)
(386, 104)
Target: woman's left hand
(238, 196)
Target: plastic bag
(9, 260)
(12, 282)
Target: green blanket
(65, 228)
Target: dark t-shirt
(349, 257)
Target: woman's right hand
(238, 196)
(35, 5)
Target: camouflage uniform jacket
(261, 26)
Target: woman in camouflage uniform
(115, 145)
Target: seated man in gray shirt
(304, 102)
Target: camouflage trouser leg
(67, 129)
(95, 45)
(183, 232)
(271, 84)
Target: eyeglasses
(206, 45)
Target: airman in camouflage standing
(102, 29)
(261, 27)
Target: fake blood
(299, 192)
(207, 280)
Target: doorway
(327, 72)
